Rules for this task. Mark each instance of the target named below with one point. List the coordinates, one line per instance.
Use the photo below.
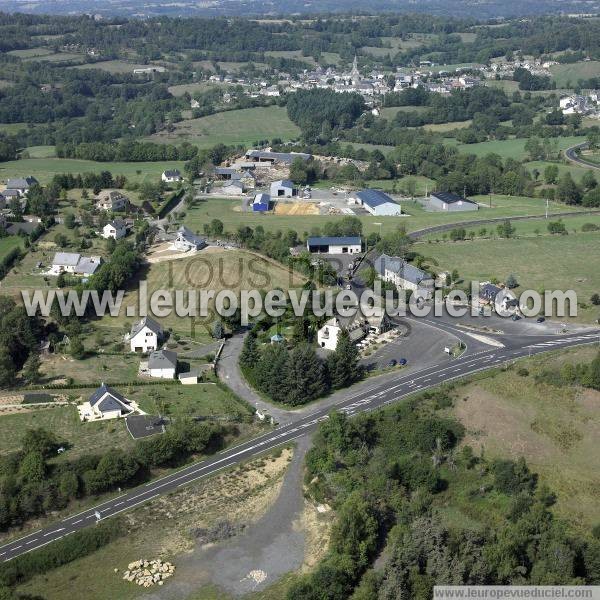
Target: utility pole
(547, 205)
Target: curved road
(571, 154)
(380, 394)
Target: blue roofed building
(261, 202)
(377, 203)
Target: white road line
(53, 531)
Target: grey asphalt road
(383, 391)
(571, 154)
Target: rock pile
(147, 573)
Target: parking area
(142, 426)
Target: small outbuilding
(261, 203)
(447, 201)
(284, 188)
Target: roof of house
(404, 269)
(112, 195)
(11, 193)
(489, 290)
(374, 198)
(172, 173)
(334, 241)
(19, 183)
(162, 359)
(88, 265)
(225, 171)
(66, 259)
(107, 399)
(450, 198)
(117, 223)
(235, 183)
(189, 236)
(146, 322)
(284, 183)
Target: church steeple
(355, 73)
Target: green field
(113, 66)
(245, 127)
(576, 171)
(512, 148)
(554, 428)
(43, 169)
(571, 73)
(8, 243)
(552, 263)
(443, 127)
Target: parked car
(540, 319)
(402, 361)
(392, 363)
(515, 317)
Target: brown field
(296, 208)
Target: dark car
(516, 318)
(540, 319)
(402, 361)
(392, 363)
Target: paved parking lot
(141, 426)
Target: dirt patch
(317, 529)
(296, 208)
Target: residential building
(74, 263)
(334, 245)
(21, 184)
(105, 403)
(284, 188)
(404, 275)
(112, 200)
(450, 202)
(115, 229)
(171, 176)
(186, 241)
(162, 364)
(261, 202)
(377, 203)
(145, 335)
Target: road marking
(53, 531)
(78, 521)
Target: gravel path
(254, 559)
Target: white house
(73, 262)
(186, 240)
(376, 202)
(21, 184)
(115, 229)
(162, 364)
(284, 188)
(171, 176)
(327, 336)
(404, 275)
(145, 335)
(105, 403)
(112, 200)
(334, 245)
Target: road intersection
(373, 395)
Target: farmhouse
(115, 229)
(112, 200)
(233, 188)
(145, 335)
(171, 176)
(451, 202)
(105, 403)
(283, 188)
(261, 203)
(404, 275)
(162, 364)
(377, 203)
(225, 173)
(334, 245)
(272, 158)
(21, 184)
(74, 263)
(187, 241)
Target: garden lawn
(8, 243)
(245, 127)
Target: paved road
(571, 154)
(382, 393)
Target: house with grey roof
(171, 176)
(112, 200)
(186, 240)
(233, 187)
(74, 263)
(162, 364)
(21, 184)
(145, 335)
(404, 275)
(115, 229)
(449, 202)
(105, 403)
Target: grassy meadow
(245, 127)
